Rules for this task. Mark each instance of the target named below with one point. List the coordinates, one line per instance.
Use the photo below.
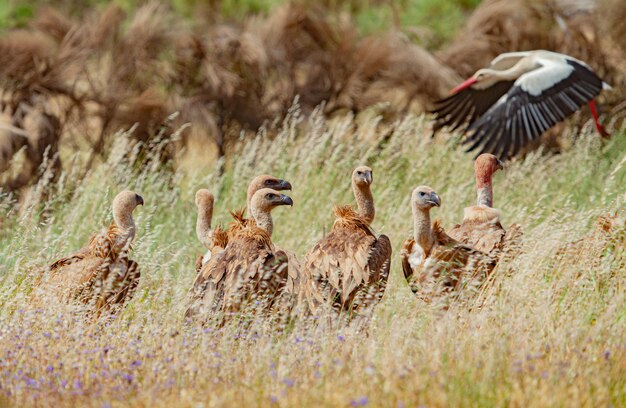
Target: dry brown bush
(108, 70)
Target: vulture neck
(364, 202)
(422, 231)
(484, 190)
(263, 219)
(203, 227)
(252, 188)
(124, 221)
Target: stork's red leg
(594, 113)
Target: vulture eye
(422, 194)
(268, 182)
(359, 173)
(270, 196)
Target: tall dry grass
(544, 332)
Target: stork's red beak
(464, 85)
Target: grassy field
(547, 333)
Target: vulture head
(261, 205)
(424, 198)
(266, 199)
(204, 204)
(362, 176)
(126, 201)
(123, 205)
(266, 181)
(204, 199)
(485, 165)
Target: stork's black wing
(467, 105)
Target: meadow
(545, 330)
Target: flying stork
(516, 99)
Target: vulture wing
(412, 257)
(75, 257)
(338, 264)
(379, 264)
(111, 285)
(537, 101)
(100, 246)
(100, 275)
(467, 105)
(246, 271)
(219, 241)
(200, 261)
(451, 266)
(481, 229)
(348, 260)
(100, 283)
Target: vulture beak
(366, 177)
(500, 165)
(284, 185)
(464, 85)
(285, 200)
(434, 199)
(138, 199)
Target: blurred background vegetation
(73, 73)
(443, 18)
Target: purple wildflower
(30, 382)
(359, 402)
(289, 382)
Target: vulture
(348, 268)
(101, 274)
(216, 239)
(250, 269)
(433, 262)
(516, 99)
(481, 228)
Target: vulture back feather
(349, 267)
(481, 229)
(248, 270)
